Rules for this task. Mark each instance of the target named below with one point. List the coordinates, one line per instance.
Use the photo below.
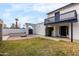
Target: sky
(26, 12)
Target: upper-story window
(57, 16)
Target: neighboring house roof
(61, 8)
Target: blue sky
(26, 12)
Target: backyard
(38, 47)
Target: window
(57, 16)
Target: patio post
(26, 28)
(71, 31)
(54, 31)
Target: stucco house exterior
(30, 29)
(63, 22)
(37, 29)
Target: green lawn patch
(38, 47)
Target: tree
(5, 26)
(13, 25)
(16, 22)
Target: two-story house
(63, 22)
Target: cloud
(38, 7)
(47, 7)
(39, 20)
(29, 19)
(41, 7)
(13, 8)
(19, 7)
(24, 19)
(25, 12)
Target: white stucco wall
(75, 31)
(40, 28)
(76, 24)
(66, 9)
(9, 31)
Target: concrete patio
(34, 36)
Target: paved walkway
(33, 36)
(55, 38)
(21, 38)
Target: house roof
(60, 8)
